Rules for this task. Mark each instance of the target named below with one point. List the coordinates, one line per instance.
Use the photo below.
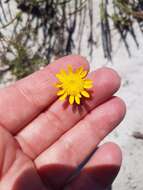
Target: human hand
(43, 140)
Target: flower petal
(71, 100)
(63, 97)
(63, 72)
(79, 70)
(58, 85)
(85, 94)
(70, 69)
(79, 95)
(88, 81)
(61, 92)
(83, 74)
(77, 99)
(87, 86)
(60, 77)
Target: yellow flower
(73, 85)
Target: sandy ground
(131, 72)
(131, 91)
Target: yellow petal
(58, 85)
(77, 99)
(70, 69)
(71, 100)
(63, 72)
(88, 86)
(61, 92)
(63, 97)
(87, 81)
(79, 70)
(85, 94)
(60, 77)
(79, 95)
(83, 74)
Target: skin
(44, 140)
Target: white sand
(131, 91)
(131, 71)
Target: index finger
(23, 101)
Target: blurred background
(106, 32)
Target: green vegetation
(39, 30)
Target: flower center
(73, 85)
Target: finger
(24, 100)
(101, 170)
(51, 124)
(16, 170)
(73, 147)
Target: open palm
(43, 140)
